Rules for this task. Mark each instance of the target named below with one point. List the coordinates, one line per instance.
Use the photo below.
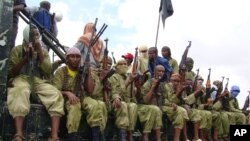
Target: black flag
(166, 10)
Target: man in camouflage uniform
(28, 64)
(204, 107)
(187, 97)
(240, 118)
(159, 93)
(68, 80)
(150, 115)
(123, 103)
(218, 107)
(101, 91)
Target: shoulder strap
(65, 78)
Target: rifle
(112, 53)
(224, 97)
(105, 67)
(182, 66)
(246, 107)
(226, 86)
(134, 70)
(208, 83)
(195, 80)
(208, 86)
(48, 38)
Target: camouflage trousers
(121, 116)
(225, 124)
(177, 117)
(132, 115)
(150, 117)
(206, 119)
(94, 111)
(18, 99)
(216, 120)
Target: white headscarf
(26, 32)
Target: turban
(73, 50)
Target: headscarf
(235, 90)
(121, 69)
(73, 50)
(26, 32)
(85, 39)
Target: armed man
(158, 92)
(240, 118)
(219, 105)
(77, 92)
(29, 64)
(150, 114)
(123, 105)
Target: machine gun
(47, 37)
(182, 66)
(208, 87)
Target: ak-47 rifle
(208, 86)
(112, 53)
(105, 67)
(110, 73)
(47, 37)
(196, 79)
(182, 66)
(134, 70)
(226, 86)
(208, 83)
(183, 69)
(224, 97)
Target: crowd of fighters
(143, 86)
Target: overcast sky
(219, 31)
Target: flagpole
(157, 32)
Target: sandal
(18, 138)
